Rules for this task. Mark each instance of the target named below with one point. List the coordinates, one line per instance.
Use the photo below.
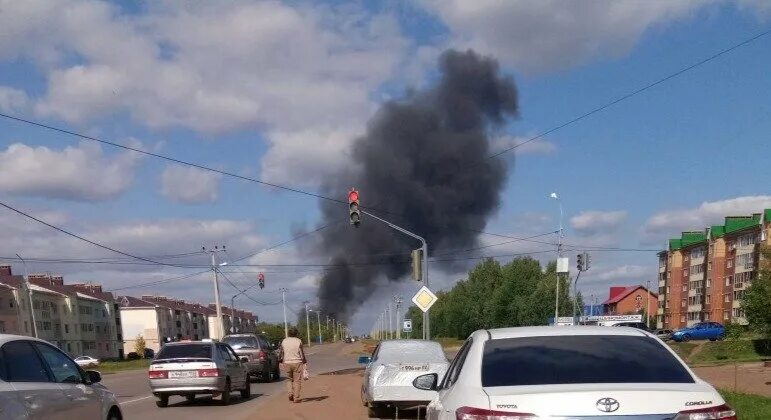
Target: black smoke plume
(423, 165)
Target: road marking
(135, 400)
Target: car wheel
(162, 401)
(686, 338)
(114, 414)
(721, 337)
(190, 397)
(266, 374)
(247, 391)
(277, 373)
(225, 398)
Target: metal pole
(29, 296)
(283, 302)
(575, 298)
(390, 324)
(307, 324)
(318, 318)
(398, 300)
(647, 303)
(424, 247)
(233, 313)
(559, 255)
(217, 304)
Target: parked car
(39, 381)
(663, 333)
(392, 368)
(702, 331)
(86, 361)
(149, 353)
(133, 356)
(569, 372)
(191, 368)
(638, 325)
(262, 359)
(348, 340)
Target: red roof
(617, 293)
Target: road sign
(562, 265)
(407, 327)
(424, 299)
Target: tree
(274, 332)
(757, 297)
(139, 346)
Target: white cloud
(186, 184)
(547, 35)
(589, 223)
(625, 272)
(289, 71)
(12, 99)
(523, 146)
(81, 173)
(672, 222)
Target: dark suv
(263, 361)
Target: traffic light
(417, 264)
(587, 261)
(353, 204)
(580, 262)
(261, 280)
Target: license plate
(414, 368)
(183, 374)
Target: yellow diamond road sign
(424, 299)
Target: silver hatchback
(39, 381)
(197, 367)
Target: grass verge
(748, 406)
(118, 366)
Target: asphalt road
(137, 402)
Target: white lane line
(135, 400)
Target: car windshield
(241, 342)
(186, 351)
(410, 352)
(586, 359)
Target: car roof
(540, 331)
(185, 343)
(240, 335)
(4, 338)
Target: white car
(393, 367)
(39, 381)
(86, 361)
(570, 372)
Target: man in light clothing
(293, 359)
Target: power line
(300, 236)
(243, 292)
(157, 282)
(66, 232)
(633, 93)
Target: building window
(685, 272)
(697, 269)
(707, 299)
(709, 266)
(729, 280)
(738, 313)
(682, 318)
(738, 294)
(727, 298)
(685, 287)
(746, 261)
(66, 329)
(697, 253)
(709, 282)
(682, 303)
(667, 289)
(748, 239)
(729, 263)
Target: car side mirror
(93, 376)
(244, 359)
(365, 360)
(426, 382)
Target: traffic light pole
(424, 247)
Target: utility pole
(559, 256)
(220, 327)
(307, 323)
(647, 303)
(318, 318)
(390, 326)
(29, 296)
(283, 302)
(398, 301)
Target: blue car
(702, 331)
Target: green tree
(139, 345)
(274, 332)
(757, 297)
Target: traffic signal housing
(580, 262)
(261, 280)
(417, 264)
(353, 207)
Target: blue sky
(278, 91)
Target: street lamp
(318, 319)
(29, 296)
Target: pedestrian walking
(293, 361)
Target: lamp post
(559, 255)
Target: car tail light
(471, 413)
(158, 374)
(208, 373)
(262, 355)
(722, 412)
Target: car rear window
(241, 342)
(581, 359)
(186, 351)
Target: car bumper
(401, 394)
(190, 385)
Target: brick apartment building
(703, 274)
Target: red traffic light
(261, 277)
(353, 195)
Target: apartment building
(703, 274)
(79, 319)
(233, 322)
